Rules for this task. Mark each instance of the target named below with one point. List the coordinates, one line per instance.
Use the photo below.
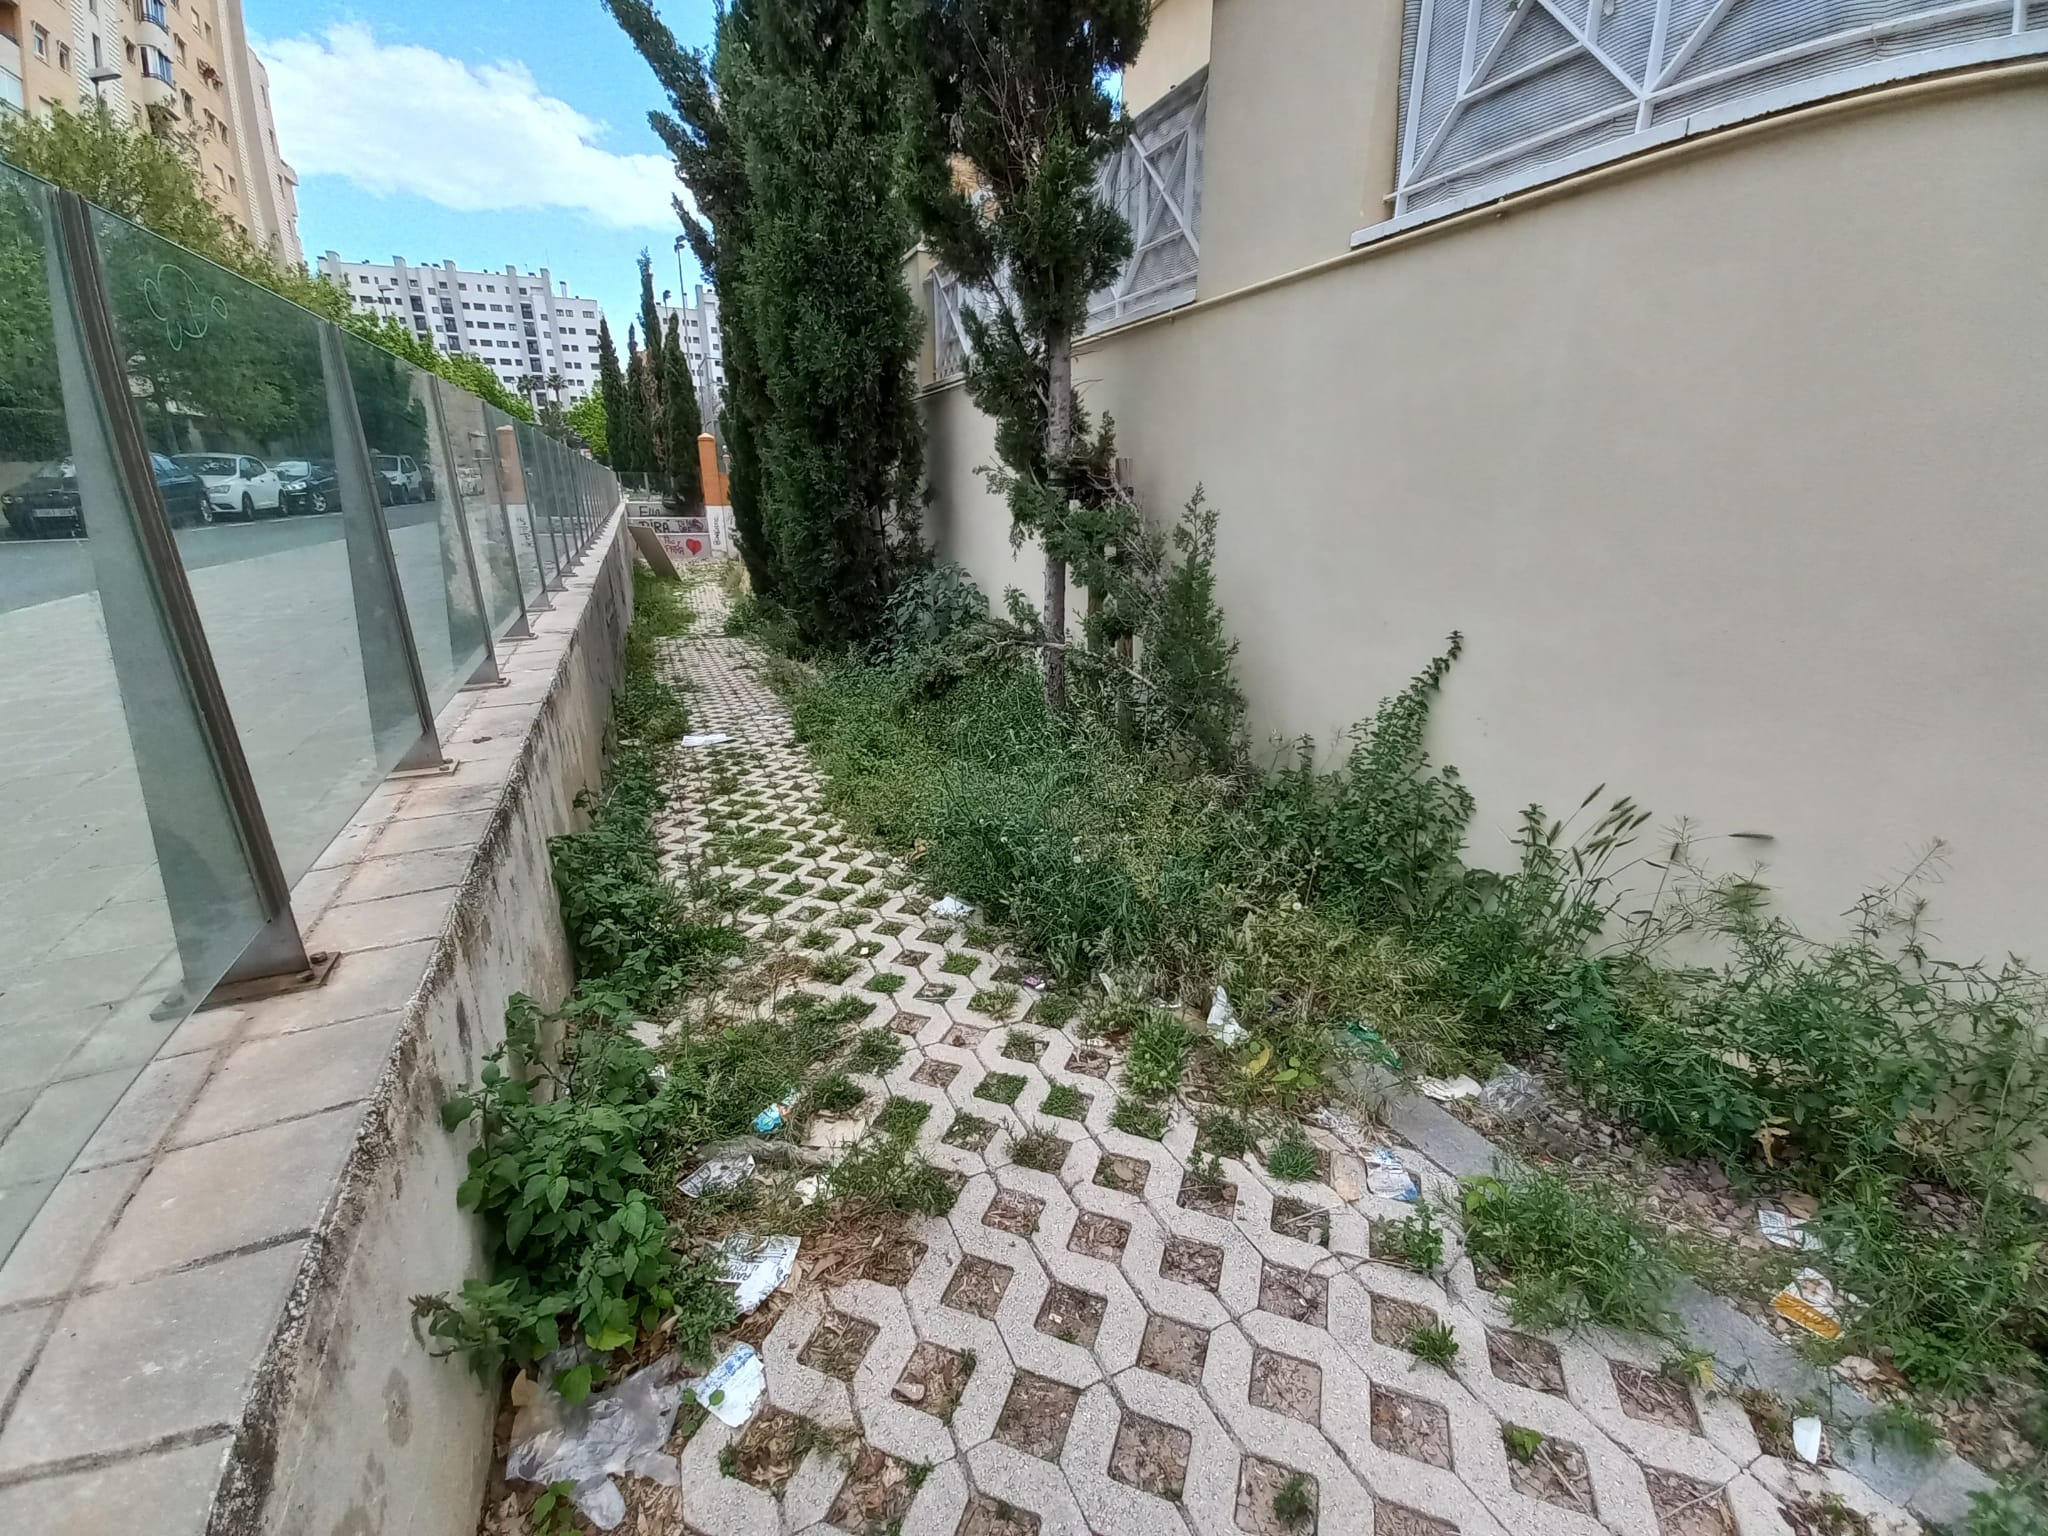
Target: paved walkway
(1113, 1347)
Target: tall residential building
(697, 327)
(175, 67)
(520, 324)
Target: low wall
(1729, 471)
(354, 1427)
(208, 1328)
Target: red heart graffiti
(694, 546)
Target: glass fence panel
(235, 390)
(544, 491)
(530, 545)
(124, 895)
(396, 404)
(490, 537)
(521, 463)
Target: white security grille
(1155, 182)
(1494, 90)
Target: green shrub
(574, 1226)
(1567, 1256)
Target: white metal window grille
(1155, 181)
(1503, 91)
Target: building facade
(697, 327)
(1670, 352)
(181, 68)
(522, 325)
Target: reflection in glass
(395, 401)
(475, 498)
(123, 891)
(230, 382)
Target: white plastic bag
(1223, 1026)
(620, 1430)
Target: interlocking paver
(1113, 1334)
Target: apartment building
(177, 67)
(697, 328)
(519, 324)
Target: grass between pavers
(1856, 1069)
(586, 1234)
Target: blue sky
(509, 132)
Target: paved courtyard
(1115, 1345)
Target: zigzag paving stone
(1105, 1342)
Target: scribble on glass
(174, 298)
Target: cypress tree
(701, 137)
(650, 318)
(681, 422)
(1013, 89)
(611, 389)
(632, 434)
(834, 325)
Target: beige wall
(1732, 472)
(1299, 148)
(1176, 45)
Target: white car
(401, 475)
(235, 483)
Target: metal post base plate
(230, 993)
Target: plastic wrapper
(1223, 1026)
(1386, 1177)
(617, 1432)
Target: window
(64, 56)
(40, 36)
(181, 48)
(153, 11)
(97, 61)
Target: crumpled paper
(620, 1430)
(950, 907)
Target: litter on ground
(732, 1389)
(717, 1176)
(1387, 1178)
(755, 1266)
(1223, 1026)
(619, 1431)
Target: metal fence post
(392, 680)
(167, 679)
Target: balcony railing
(248, 558)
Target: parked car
(237, 484)
(310, 485)
(46, 506)
(400, 473)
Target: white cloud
(475, 138)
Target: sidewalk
(1115, 1347)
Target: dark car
(309, 485)
(45, 505)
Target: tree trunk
(1059, 432)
